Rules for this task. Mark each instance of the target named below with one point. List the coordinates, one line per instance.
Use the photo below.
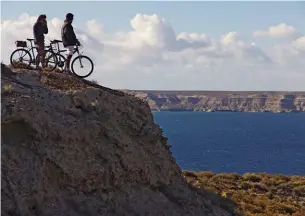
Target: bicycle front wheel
(82, 66)
(50, 60)
(21, 58)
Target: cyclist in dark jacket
(69, 38)
(40, 28)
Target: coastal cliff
(209, 101)
(73, 148)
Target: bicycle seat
(29, 39)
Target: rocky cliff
(223, 101)
(73, 148)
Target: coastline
(227, 111)
(222, 101)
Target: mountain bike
(80, 58)
(55, 59)
(27, 56)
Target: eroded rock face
(74, 149)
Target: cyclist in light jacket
(69, 39)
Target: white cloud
(94, 28)
(300, 43)
(279, 31)
(153, 56)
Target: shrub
(251, 177)
(254, 208)
(286, 209)
(207, 174)
(256, 194)
(94, 82)
(299, 191)
(260, 188)
(245, 186)
(261, 201)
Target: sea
(237, 142)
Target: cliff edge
(74, 148)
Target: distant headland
(220, 101)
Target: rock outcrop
(223, 101)
(74, 148)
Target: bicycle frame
(76, 50)
(57, 49)
(32, 49)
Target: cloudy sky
(177, 45)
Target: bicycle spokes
(23, 57)
(50, 62)
(82, 66)
(20, 58)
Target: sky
(177, 45)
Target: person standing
(69, 39)
(40, 28)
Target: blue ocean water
(236, 142)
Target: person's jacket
(68, 36)
(39, 30)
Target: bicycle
(58, 59)
(80, 57)
(27, 50)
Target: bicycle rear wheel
(23, 58)
(81, 62)
(61, 61)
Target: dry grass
(255, 194)
(21, 65)
(56, 80)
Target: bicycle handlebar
(79, 46)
